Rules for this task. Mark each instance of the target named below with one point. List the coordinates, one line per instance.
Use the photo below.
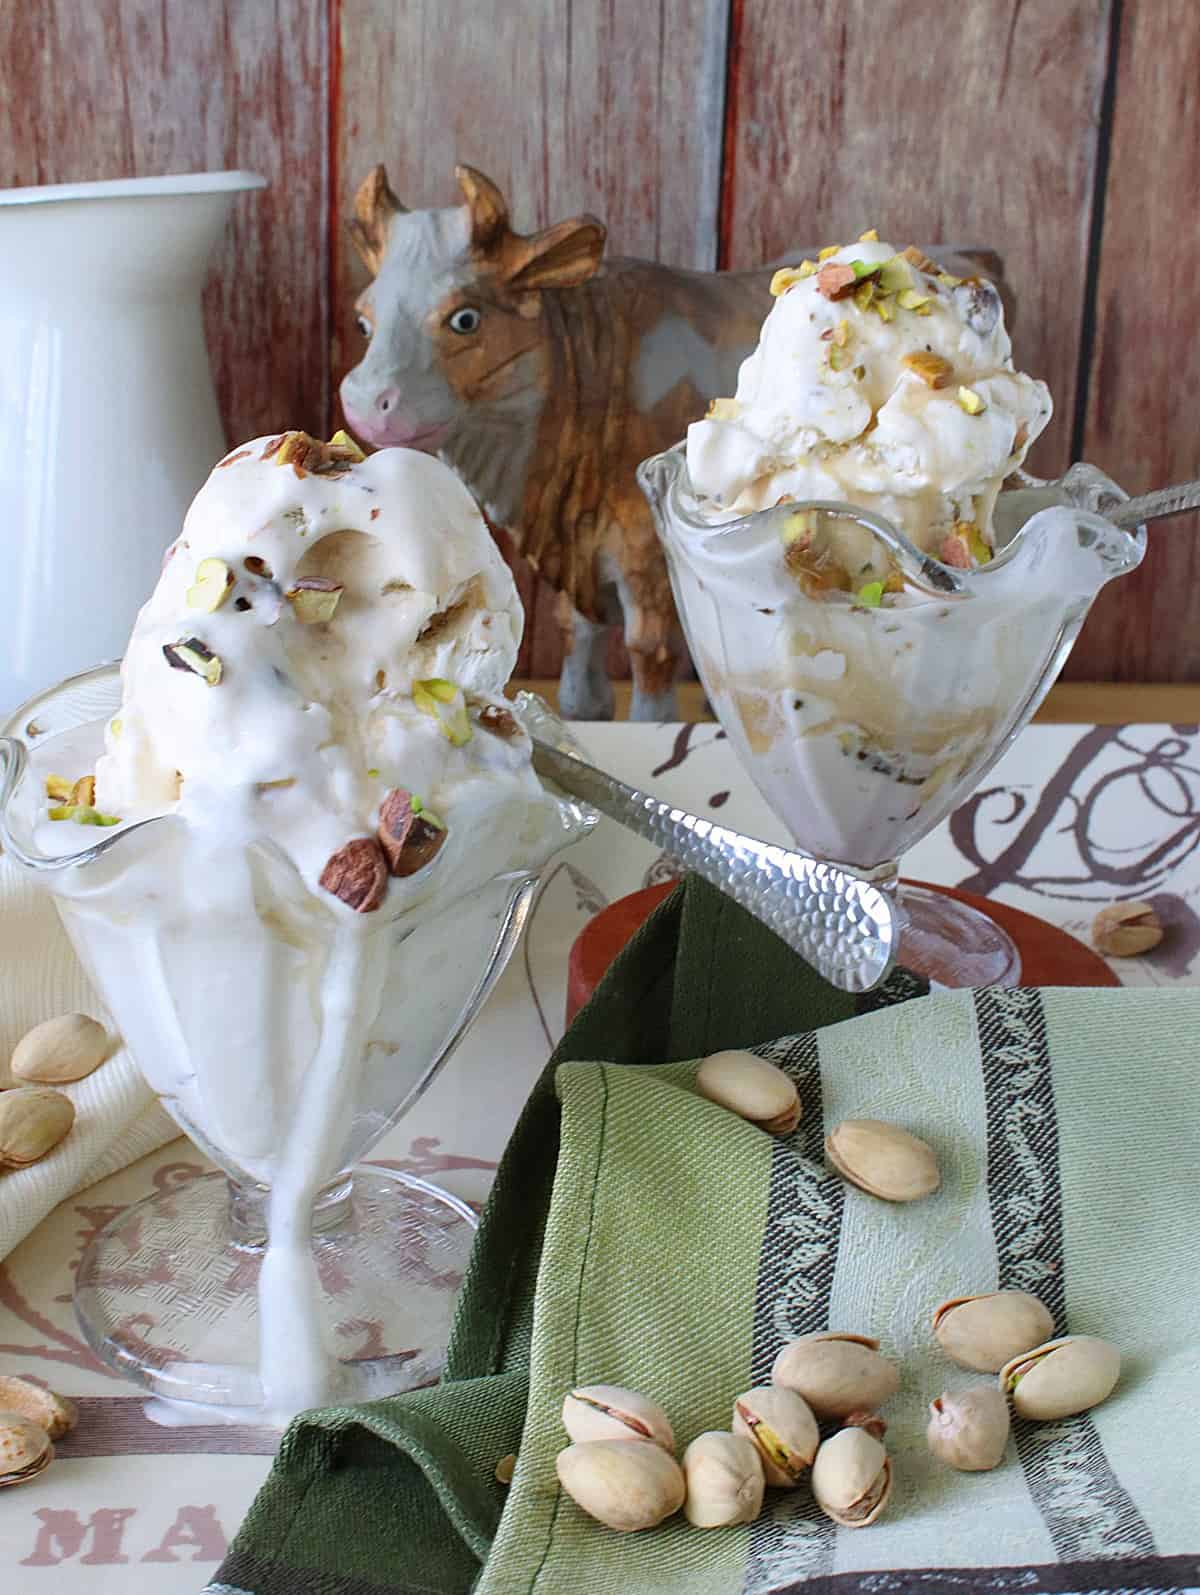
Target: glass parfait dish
(285, 1036)
(866, 717)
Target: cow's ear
(375, 206)
(485, 204)
(561, 256)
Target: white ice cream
(838, 401)
(283, 1003)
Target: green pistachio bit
(864, 294)
(424, 699)
(800, 523)
(839, 359)
(864, 268)
(894, 275)
(443, 691)
(870, 596)
(883, 308)
(910, 299)
(860, 372)
(82, 814)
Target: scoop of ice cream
(326, 629)
(882, 381)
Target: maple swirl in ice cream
(312, 708)
(835, 555)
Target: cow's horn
(489, 213)
(374, 207)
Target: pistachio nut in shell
(25, 1448)
(1062, 1377)
(984, 1332)
(51, 1412)
(782, 1429)
(60, 1050)
(852, 1478)
(627, 1484)
(882, 1159)
(610, 1412)
(33, 1120)
(725, 1480)
(969, 1428)
(752, 1088)
(837, 1374)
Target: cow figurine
(543, 374)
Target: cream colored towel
(118, 1120)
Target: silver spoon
(843, 926)
(1154, 506)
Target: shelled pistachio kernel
(752, 1088)
(211, 586)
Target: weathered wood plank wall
(1064, 134)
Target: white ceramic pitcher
(108, 418)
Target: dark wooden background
(1065, 133)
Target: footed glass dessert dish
(866, 716)
(285, 1037)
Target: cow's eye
(465, 319)
(363, 325)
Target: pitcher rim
(169, 186)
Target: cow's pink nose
(387, 400)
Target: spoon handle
(1153, 506)
(843, 926)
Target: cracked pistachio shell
(882, 1159)
(25, 1448)
(724, 1480)
(610, 1412)
(752, 1088)
(852, 1478)
(985, 1332)
(51, 1412)
(969, 1428)
(626, 1484)
(1061, 1377)
(782, 1429)
(836, 1373)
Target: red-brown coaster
(1049, 956)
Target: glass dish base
(166, 1294)
(952, 944)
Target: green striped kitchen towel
(640, 1235)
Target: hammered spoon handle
(843, 926)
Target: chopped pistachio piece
(970, 401)
(841, 334)
(314, 599)
(933, 371)
(864, 268)
(883, 308)
(800, 523)
(864, 294)
(910, 299)
(211, 586)
(343, 440)
(443, 702)
(947, 281)
(194, 655)
(870, 596)
(807, 268)
(839, 359)
(786, 277)
(58, 787)
(895, 276)
(724, 410)
(828, 251)
(871, 236)
(83, 814)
